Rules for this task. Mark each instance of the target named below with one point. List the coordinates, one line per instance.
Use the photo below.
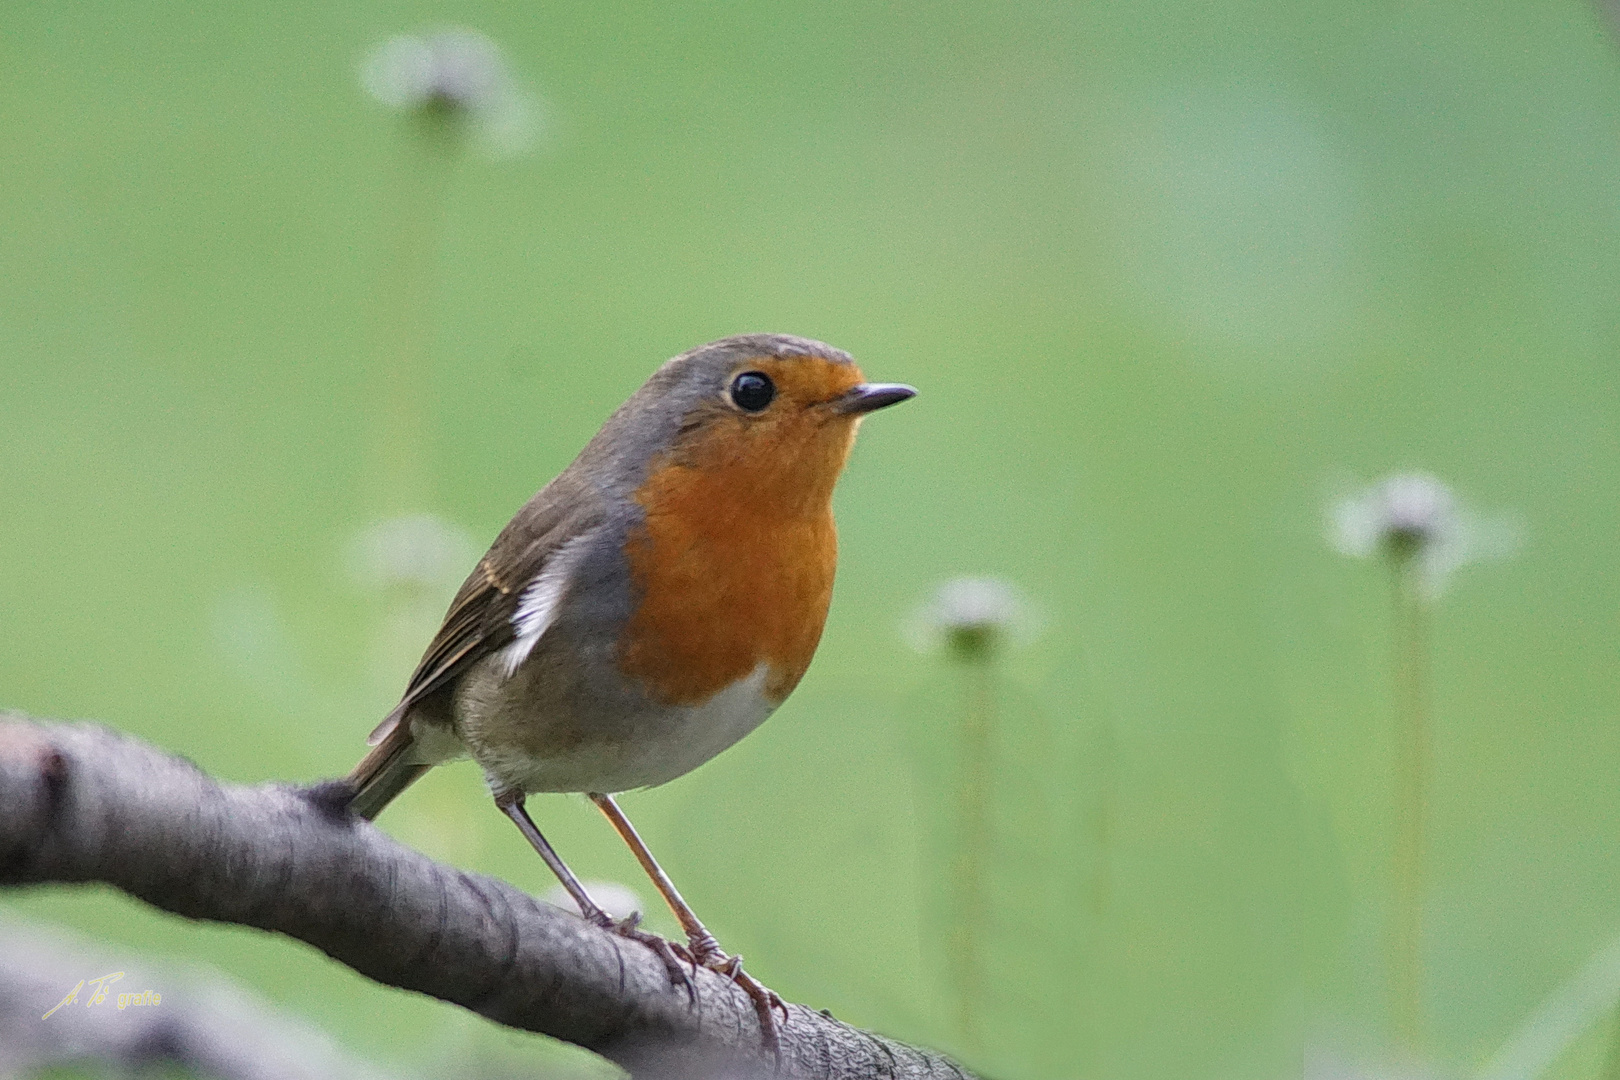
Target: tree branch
(84, 803)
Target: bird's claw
(706, 951)
(666, 950)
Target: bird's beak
(868, 397)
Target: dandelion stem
(1412, 759)
(971, 925)
(403, 371)
(1101, 820)
(401, 471)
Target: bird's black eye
(752, 391)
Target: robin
(649, 607)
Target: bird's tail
(387, 770)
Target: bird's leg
(704, 949)
(511, 804)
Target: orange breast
(734, 563)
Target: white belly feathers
(537, 749)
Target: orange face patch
(734, 563)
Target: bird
(649, 607)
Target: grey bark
(86, 804)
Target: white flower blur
(418, 549)
(619, 901)
(1407, 509)
(459, 71)
(970, 611)
(1414, 515)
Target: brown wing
(479, 621)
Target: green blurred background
(1169, 276)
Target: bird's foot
(704, 951)
(630, 927)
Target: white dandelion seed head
(1408, 508)
(418, 549)
(971, 613)
(458, 70)
(619, 901)
(1414, 515)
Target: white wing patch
(538, 606)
